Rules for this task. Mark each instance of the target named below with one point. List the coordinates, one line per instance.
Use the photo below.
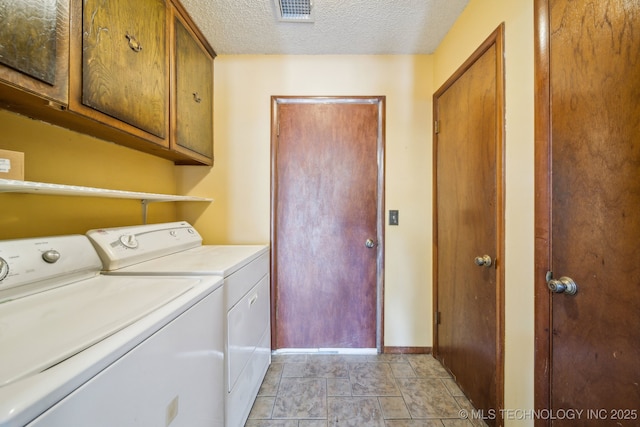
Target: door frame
(542, 209)
(495, 38)
(380, 101)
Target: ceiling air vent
(295, 10)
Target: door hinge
(436, 126)
(438, 318)
(278, 129)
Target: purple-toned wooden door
(326, 206)
(588, 234)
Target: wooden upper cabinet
(34, 47)
(137, 73)
(192, 110)
(124, 66)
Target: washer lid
(219, 260)
(41, 330)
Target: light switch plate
(393, 217)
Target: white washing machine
(79, 349)
(176, 249)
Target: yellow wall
(57, 155)
(478, 20)
(240, 179)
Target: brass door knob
(483, 261)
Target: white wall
(240, 178)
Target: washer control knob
(129, 241)
(4, 269)
(51, 256)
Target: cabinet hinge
(436, 126)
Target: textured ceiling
(353, 27)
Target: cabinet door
(125, 61)
(34, 48)
(193, 110)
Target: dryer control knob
(51, 256)
(129, 241)
(4, 269)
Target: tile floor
(388, 390)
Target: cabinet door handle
(134, 44)
(196, 97)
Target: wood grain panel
(28, 30)
(468, 223)
(193, 114)
(542, 160)
(595, 133)
(326, 207)
(34, 45)
(124, 61)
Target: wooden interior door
(468, 225)
(588, 179)
(327, 182)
